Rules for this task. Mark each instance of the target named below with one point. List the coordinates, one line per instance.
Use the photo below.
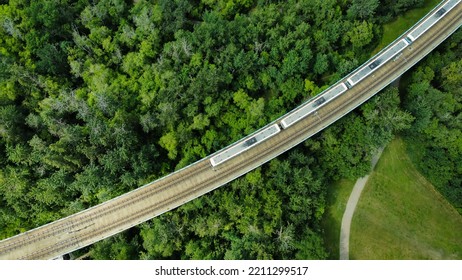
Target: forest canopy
(100, 97)
(434, 97)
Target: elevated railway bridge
(142, 204)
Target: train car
(308, 108)
(376, 63)
(431, 20)
(241, 146)
(319, 101)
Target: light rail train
(331, 93)
(164, 194)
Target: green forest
(100, 97)
(433, 95)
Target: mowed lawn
(337, 198)
(400, 215)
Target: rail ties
(47, 232)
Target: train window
(319, 101)
(251, 141)
(374, 64)
(441, 12)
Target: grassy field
(400, 215)
(337, 198)
(395, 28)
(339, 192)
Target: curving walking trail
(350, 209)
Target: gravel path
(350, 209)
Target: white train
(308, 108)
(331, 93)
(375, 64)
(431, 20)
(245, 144)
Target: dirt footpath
(350, 209)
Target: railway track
(84, 228)
(143, 193)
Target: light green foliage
(169, 142)
(252, 111)
(311, 88)
(360, 34)
(100, 97)
(434, 98)
(229, 7)
(238, 227)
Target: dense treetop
(100, 97)
(434, 97)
